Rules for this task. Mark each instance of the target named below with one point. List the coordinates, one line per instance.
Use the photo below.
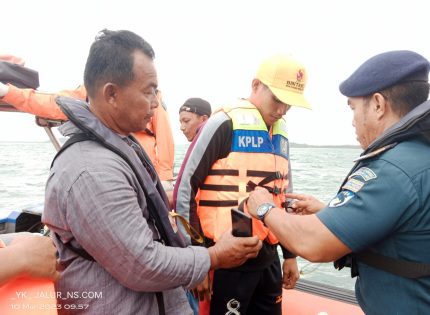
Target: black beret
(196, 105)
(385, 70)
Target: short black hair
(405, 97)
(111, 58)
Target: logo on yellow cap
(295, 85)
(300, 75)
(286, 78)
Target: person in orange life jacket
(28, 255)
(192, 115)
(379, 222)
(42, 104)
(239, 148)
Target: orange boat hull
(295, 302)
(28, 296)
(37, 297)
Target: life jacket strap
(403, 268)
(250, 186)
(224, 172)
(79, 137)
(268, 177)
(192, 232)
(80, 251)
(218, 203)
(233, 188)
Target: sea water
(24, 168)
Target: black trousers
(247, 292)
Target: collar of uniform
(376, 152)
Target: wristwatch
(264, 209)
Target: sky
(211, 49)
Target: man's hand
(290, 273)
(256, 198)
(305, 204)
(203, 291)
(36, 256)
(232, 251)
(4, 89)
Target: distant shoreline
(341, 146)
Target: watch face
(262, 209)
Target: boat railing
(46, 123)
(4, 107)
(327, 291)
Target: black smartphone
(241, 222)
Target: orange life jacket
(257, 157)
(160, 152)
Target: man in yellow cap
(378, 224)
(239, 148)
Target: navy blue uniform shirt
(385, 207)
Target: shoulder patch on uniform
(342, 198)
(365, 173)
(353, 185)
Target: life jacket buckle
(251, 185)
(276, 190)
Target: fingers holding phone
(231, 251)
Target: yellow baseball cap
(286, 78)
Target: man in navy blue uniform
(379, 222)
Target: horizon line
(292, 144)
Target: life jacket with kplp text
(258, 157)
